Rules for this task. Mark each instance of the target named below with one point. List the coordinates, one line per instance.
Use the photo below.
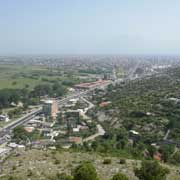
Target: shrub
(107, 161)
(151, 170)
(122, 161)
(85, 171)
(119, 176)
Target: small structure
(104, 104)
(12, 145)
(75, 129)
(90, 85)
(29, 129)
(76, 140)
(4, 151)
(4, 118)
(134, 132)
(157, 156)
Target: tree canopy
(151, 170)
(85, 171)
(119, 176)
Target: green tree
(151, 170)
(166, 151)
(19, 134)
(175, 159)
(85, 171)
(119, 176)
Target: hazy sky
(89, 26)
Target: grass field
(21, 76)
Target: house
(104, 104)
(75, 129)
(134, 132)
(4, 151)
(13, 145)
(4, 118)
(29, 129)
(157, 156)
(76, 140)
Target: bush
(119, 176)
(151, 170)
(85, 171)
(29, 173)
(122, 161)
(107, 161)
(57, 161)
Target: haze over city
(89, 27)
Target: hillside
(149, 106)
(39, 164)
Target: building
(4, 118)
(50, 108)
(76, 140)
(104, 104)
(90, 85)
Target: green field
(15, 76)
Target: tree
(19, 134)
(151, 170)
(119, 176)
(175, 159)
(166, 151)
(85, 171)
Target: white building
(4, 118)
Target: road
(166, 135)
(100, 132)
(6, 129)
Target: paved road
(166, 135)
(100, 132)
(6, 129)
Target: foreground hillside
(39, 164)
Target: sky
(89, 27)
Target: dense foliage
(20, 135)
(9, 96)
(119, 176)
(151, 170)
(150, 106)
(85, 171)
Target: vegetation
(85, 171)
(107, 161)
(150, 107)
(119, 176)
(151, 170)
(20, 135)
